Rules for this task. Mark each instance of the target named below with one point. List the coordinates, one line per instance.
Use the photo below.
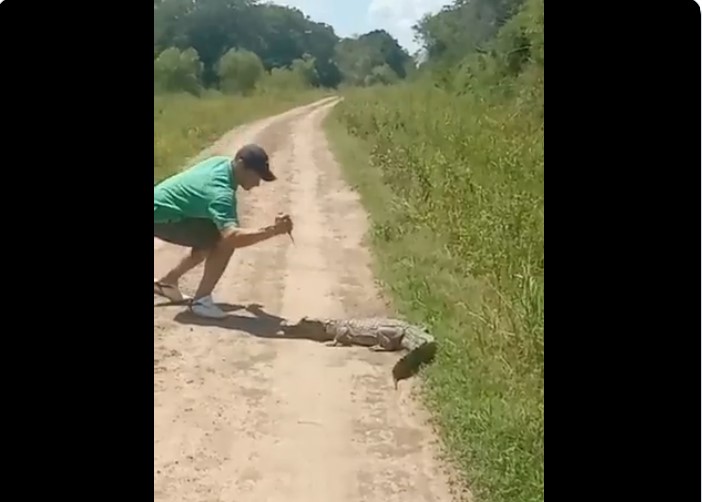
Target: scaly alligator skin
(380, 334)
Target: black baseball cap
(255, 158)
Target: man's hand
(283, 224)
(282, 216)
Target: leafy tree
(358, 57)
(281, 79)
(462, 28)
(306, 70)
(381, 75)
(176, 70)
(239, 71)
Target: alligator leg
(340, 339)
(389, 340)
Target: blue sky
(350, 17)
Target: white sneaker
(205, 307)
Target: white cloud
(398, 16)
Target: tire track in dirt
(241, 417)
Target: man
(197, 209)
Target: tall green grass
(455, 189)
(185, 124)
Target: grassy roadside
(455, 195)
(184, 124)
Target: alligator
(376, 333)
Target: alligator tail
(410, 364)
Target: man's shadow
(261, 324)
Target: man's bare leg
(186, 264)
(215, 265)
(218, 259)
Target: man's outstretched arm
(243, 237)
(223, 212)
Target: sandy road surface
(241, 417)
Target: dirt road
(240, 417)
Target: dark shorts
(193, 233)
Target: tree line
(237, 45)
